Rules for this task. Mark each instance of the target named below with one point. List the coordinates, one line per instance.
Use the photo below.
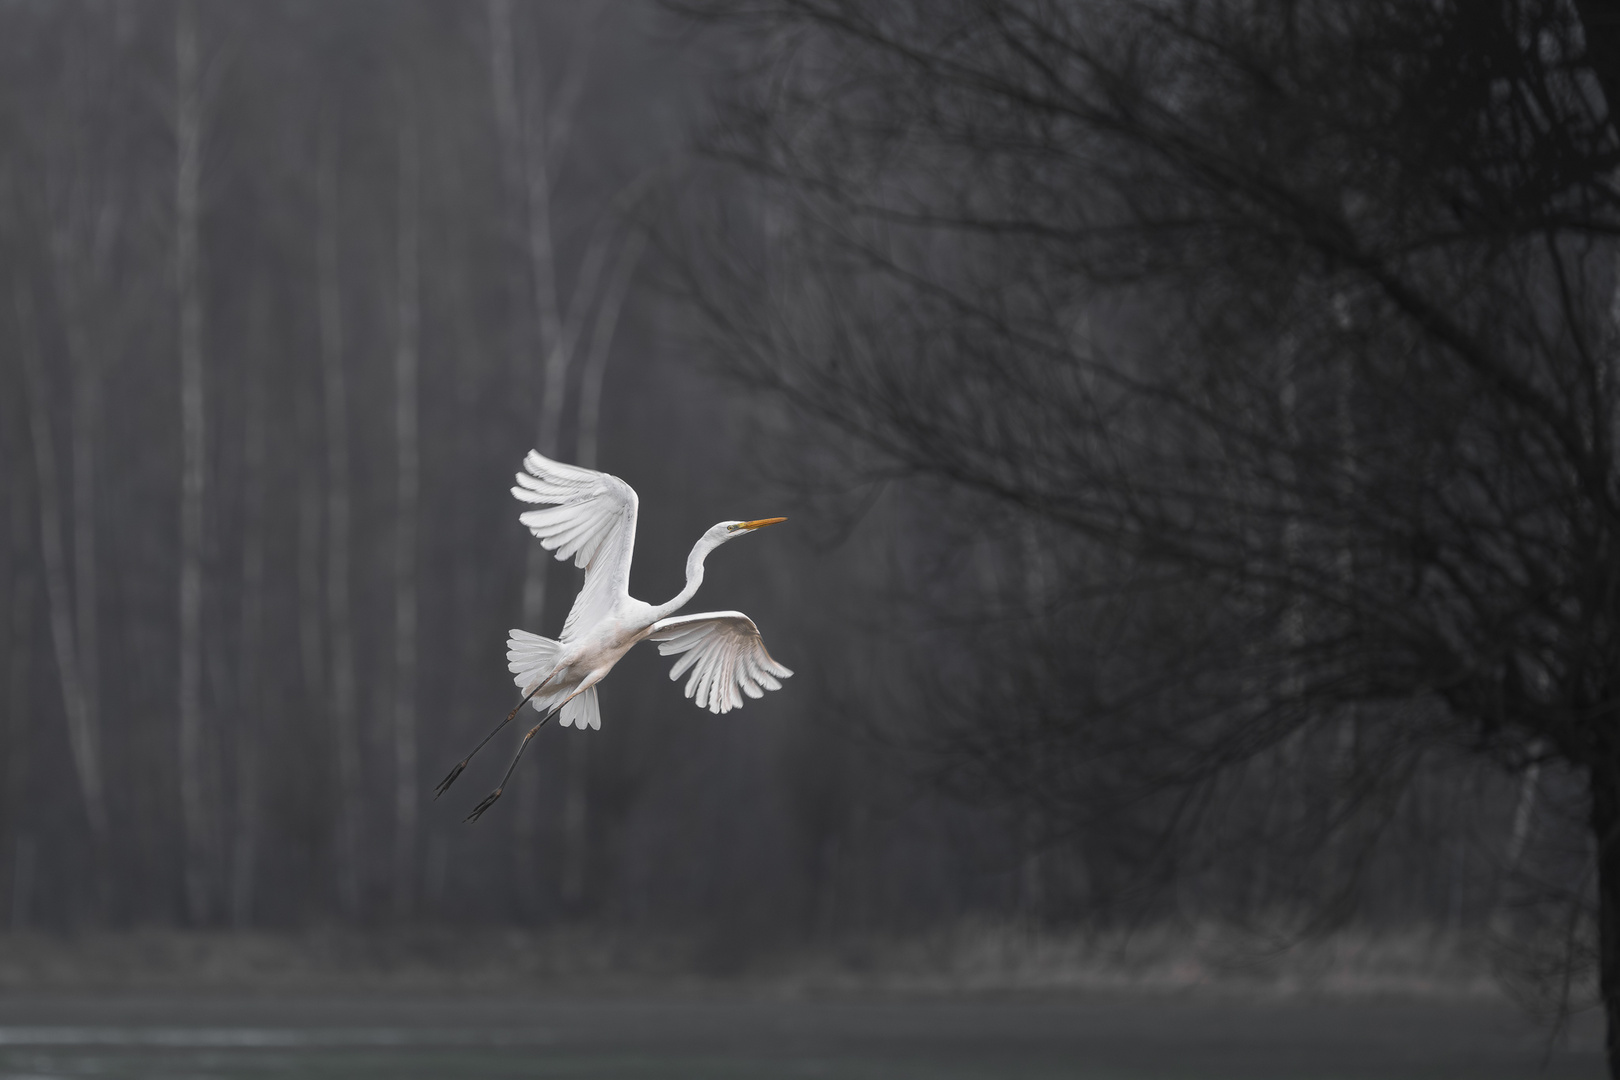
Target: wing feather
(723, 658)
(589, 518)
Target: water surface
(222, 1037)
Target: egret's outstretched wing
(590, 517)
(724, 654)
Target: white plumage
(589, 518)
(724, 653)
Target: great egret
(590, 517)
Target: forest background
(288, 289)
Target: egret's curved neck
(694, 577)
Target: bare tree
(19, 712)
(339, 506)
(576, 806)
(84, 739)
(1342, 433)
(193, 469)
(83, 237)
(80, 201)
(408, 483)
(251, 637)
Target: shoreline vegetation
(964, 959)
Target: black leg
(444, 785)
(489, 800)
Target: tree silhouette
(1288, 327)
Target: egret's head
(730, 530)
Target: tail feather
(582, 712)
(530, 658)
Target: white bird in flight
(590, 517)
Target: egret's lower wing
(724, 654)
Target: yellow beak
(761, 523)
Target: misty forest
(1196, 424)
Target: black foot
(489, 801)
(444, 785)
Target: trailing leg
(444, 785)
(489, 800)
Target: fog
(1188, 564)
(359, 215)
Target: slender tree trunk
(1284, 802)
(521, 151)
(1038, 579)
(311, 647)
(472, 581)
(528, 178)
(76, 258)
(405, 524)
(19, 695)
(607, 324)
(1605, 787)
(1518, 841)
(83, 739)
(469, 579)
(22, 882)
(504, 98)
(249, 692)
(345, 720)
(188, 174)
(1343, 769)
(1298, 799)
(85, 424)
(86, 589)
(83, 234)
(530, 144)
(1605, 775)
(1523, 816)
(311, 630)
(576, 793)
(11, 597)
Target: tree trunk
(528, 178)
(82, 430)
(523, 152)
(345, 723)
(22, 882)
(405, 525)
(188, 173)
(467, 578)
(576, 790)
(311, 647)
(249, 692)
(77, 257)
(470, 580)
(1520, 829)
(602, 334)
(529, 146)
(19, 694)
(86, 422)
(84, 739)
(85, 217)
(1523, 816)
(1605, 784)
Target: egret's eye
(732, 528)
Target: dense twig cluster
(1279, 340)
